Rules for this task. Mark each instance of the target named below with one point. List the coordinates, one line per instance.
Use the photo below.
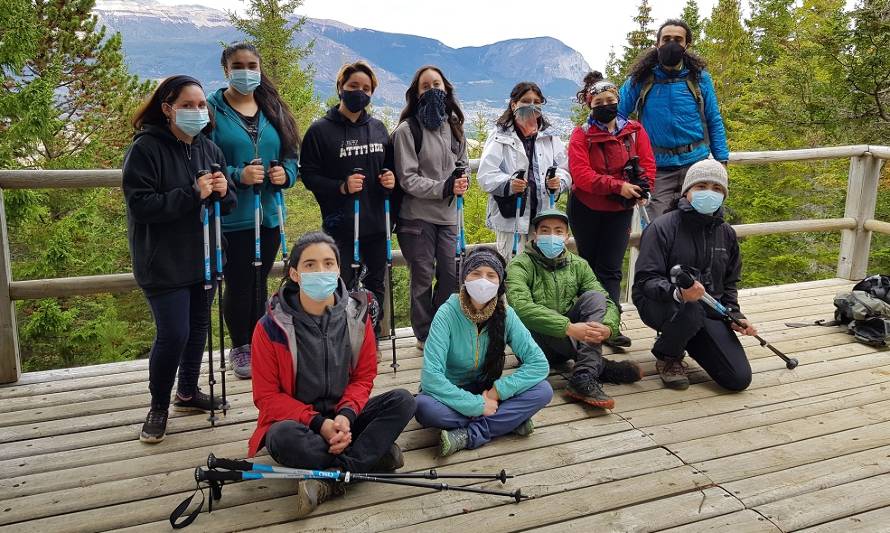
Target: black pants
(182, 322)
(240, 297)
(372, 254)
(710, 341)
(590, 307)
(602, 238)
(375, 429)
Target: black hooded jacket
(164, 207)
(332, 147)
(689, 238)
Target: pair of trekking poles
(213, 204)
(520, 199)
(219, 472)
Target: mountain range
(160, 40)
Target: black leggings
(710, 341)
(602, 238)
(239, 306)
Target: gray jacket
(422, 176)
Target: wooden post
(634, 253)
(10, 359)
(862, 192)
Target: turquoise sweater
(237, 146)
(454, 355)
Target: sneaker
(155, 427)
(391, 461)
(313, 492)
(584, 387)
(618, 340)
(525, 429)
(673, 372)
(198, 402)
(453, 441)
(619, 372)
(239, 361)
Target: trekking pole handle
(214, 475)
(214, 462)
(386, 192)
(551, 173)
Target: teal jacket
(232, 138)
(454, 355)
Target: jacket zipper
(476, 362)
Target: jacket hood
(285, 305)
(689, 213)
(334, 115)
(597, 135)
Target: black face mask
(605, 113)
(670, 54)
(355, 101)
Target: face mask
(605, 113)
(319, 285)
(526, 117)
(192, 121)
(670, 54)
(244, 81)
(551, 245)
(706, 202)
(355, 101)
(481, 290)
(431, 109)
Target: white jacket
(503, 155)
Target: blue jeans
(481, 429)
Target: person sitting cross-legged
(558, 298)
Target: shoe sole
(602, 404)
(240, 376)
(150, 439)
(676, 385)
(186, 409)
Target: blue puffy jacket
(671, 117)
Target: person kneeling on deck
(463, 389)
(314, 363)
(557, 297)
(694, 235)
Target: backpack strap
(641, 99)
(416, 133)
(695, 90)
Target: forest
(788, 73)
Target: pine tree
(272, 26)
(639, 40)
(691, 16)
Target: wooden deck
(806, 450)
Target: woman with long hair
(254, 126)
(429, 145)
(522, 140)
(167, 182)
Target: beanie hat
(706, 171)
(485, 256)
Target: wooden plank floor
(801, 450)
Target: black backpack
(865, 311)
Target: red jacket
(274, 377)
(597, 159)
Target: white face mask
(481, 291)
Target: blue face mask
(706, 202)
(192, 121)
(551, 245)
(319, 285)
(244, 81)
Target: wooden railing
(856, 228)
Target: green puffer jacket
(542, 290)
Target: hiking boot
(239, 361)
(155, 427)
(525, 429)
(673, 372)
(198, 402)
(453, 441)
(618, 340)
(391, 461)
(584, 387)
(619, 372)
(313, 492)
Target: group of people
(311, 349)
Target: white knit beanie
(706, 171)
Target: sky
(589, 27)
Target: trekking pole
(551, 173)
(520, 174)
(392, 310)
(217, 230)
(208, 291)
(257, 254)
(684, 280)
(279, 204)
(460, 249)
(356, 262)
(214, 463)
(644, 215)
